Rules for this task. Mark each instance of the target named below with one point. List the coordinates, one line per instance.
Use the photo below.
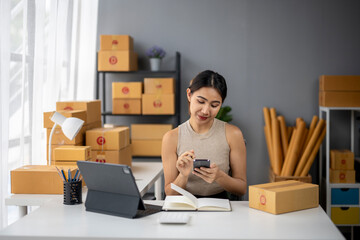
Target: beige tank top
(210, 145)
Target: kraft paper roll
(275, 132)
(309, 147)
(312, 156)
(268, 141)
(283, 132)
(290, 132)
(311, 131)
(291, 146)
(267, 120)
(294, 154)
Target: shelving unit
(101, 77)
(329, 187)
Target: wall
(270, 52)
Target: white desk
(146, 175)
(55, 220)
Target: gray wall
(270, 52)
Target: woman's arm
(176, 169)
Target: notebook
(112, 190)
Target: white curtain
(48, 48)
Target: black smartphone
(201, 163)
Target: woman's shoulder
(233, 131)
(171, 135)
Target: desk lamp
(70, 127)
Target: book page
(214, 204)
(178, 203)
(185, 193)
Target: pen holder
(72, 192)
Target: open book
(189, 202)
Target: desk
(146, 175)
(55, 220)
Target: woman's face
(205, 103)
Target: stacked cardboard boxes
(69, 155)
(339, 91)
(342, 166)
(117, 53)
(88, 111)
(158, 97)
(126, 97)
(146, 139)
(110, 145)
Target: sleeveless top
(210, 145)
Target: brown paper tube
(283, 132)
(290, 131)
(275, 133)
(291, 145)
(311, 131)
(306, 133)
(298, 120)
(312, 156)
(267, 120)
(268, 141)
(294, 155)
(309, 147)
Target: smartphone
(201, 163)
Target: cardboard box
(345, 215)
(282, 197)
(342, 176)
(53, 147)
(72, 153)
(117, 61)
(38, 179)
(92, 108)
(81, 114)
(151, 148)
(131, 90)
(93, 125)
(65, 163)
(122, 156)
(108, 138)
(159, 85)
(149, 131)
(339, 99)
(339, 83)
(59, 138)
(161, 104)
(116, 42)
(341, 159)
(275, 178)
(126, 106)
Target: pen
(60, 174)
(62, 171)
(76, 173)
(69, 175)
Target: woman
(205, 137)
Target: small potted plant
(155, 54)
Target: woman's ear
(188, 94)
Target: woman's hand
(208, 174)
(184, 162)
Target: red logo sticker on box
(100, 140)
(112, 60)
(68, 108)
(126, 105)
(343, 161)
(262, 200)
(125, 90)
(157, 104)
(115, 42)
(342, 176)
(158, 86)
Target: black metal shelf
(136, 115)
(141, 72)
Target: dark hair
(209, 78)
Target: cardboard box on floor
(108, 138)
(72, 153)
(122, 156)
(81, 114)
(282, 197)
(92, 108)
(38, 179)
(116, 42)
(341, 159)
(126, 106)
(117, 61)
(132, 90)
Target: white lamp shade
(70, 126)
